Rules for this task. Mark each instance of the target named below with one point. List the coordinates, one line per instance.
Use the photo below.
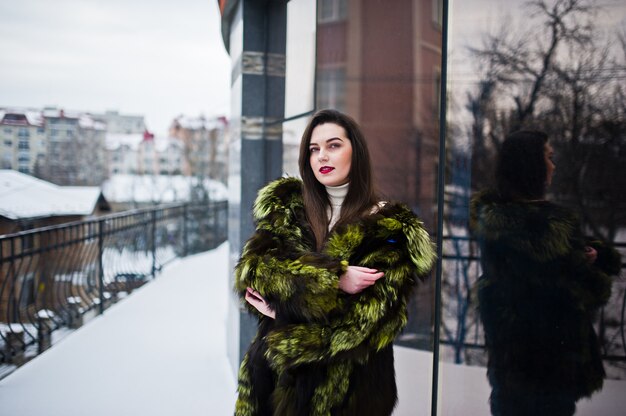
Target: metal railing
(53, 278)
(462, 332)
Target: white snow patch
(158, 188)
(24, 196)
(160, 352)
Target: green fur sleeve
(298, 289)
(370, 320)
(299, 284)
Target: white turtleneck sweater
(336, 194)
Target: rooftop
(24, 196)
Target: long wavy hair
(521, 167)
(361, 196)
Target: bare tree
(558, 76)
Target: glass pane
(380, 62)
(556, 67)
(300, 78)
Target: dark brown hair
(521, 168)
(361, 196)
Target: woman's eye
(335, 145)
(313, 149)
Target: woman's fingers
(358, 278)
(372, 277)
(254, 294)
(253, 298)
(364, 269)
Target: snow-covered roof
(123, 188)
(31, 117)
(87, 121)
(57, 112)
(114, 141)
(24, 196)
(195, 123)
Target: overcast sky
(157, 58)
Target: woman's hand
(255, 299)
(358, 278)
(591, 254)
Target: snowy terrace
(162, 351)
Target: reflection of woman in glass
(328, 273)
(541, 284)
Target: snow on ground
(464, 390)
(161, 351)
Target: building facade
(205, 146)
(22, 140)
(122, 123)
(75, 148)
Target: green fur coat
(327, 352)
(537, 298)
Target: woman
(541, 284)
(328, 272)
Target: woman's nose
(322, 156)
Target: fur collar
(280, 207)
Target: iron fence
(53, 278)
(462, 334)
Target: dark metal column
(255, 35)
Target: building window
(331, 88)
(23, 133)
(8, 143)
(8, 130)
(7, 161)
(23, 145)
(438, 13)
(331, 10)
(23, 159)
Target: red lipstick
(326, 169)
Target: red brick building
(380, 62)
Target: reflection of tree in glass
(563, 75)
(561, 79)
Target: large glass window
(331, 86)
(378, 62)
(332, 10)
(555, 66)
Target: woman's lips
(326, 169)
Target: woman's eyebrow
(332, 139)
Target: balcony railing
(462, 335)
(54, 278)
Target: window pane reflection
(554, 66)
(380, 62)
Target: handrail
(54, 278)
(464, 333)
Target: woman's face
(550, 166)
(330, 154)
